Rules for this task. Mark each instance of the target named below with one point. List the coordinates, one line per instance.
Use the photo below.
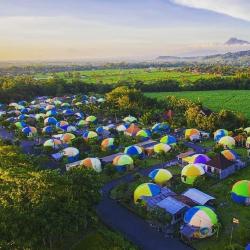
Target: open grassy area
(236, 100)
(103, 239)
(129, 75)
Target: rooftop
(185, 154)
(171, 205)
(219, 162)
(198, 196)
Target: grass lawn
(236, 100)
(208, 143)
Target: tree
(38, 208)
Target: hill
(231, 58)
(236, 41)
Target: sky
(105, 29)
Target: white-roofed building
(198, 196)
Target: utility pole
(235, 221)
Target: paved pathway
(199, 149)
(133, 227)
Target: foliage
(104, 239)
(39, 207)
(236, 100)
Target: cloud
(234, 8)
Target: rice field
(236, 100)
(127, 75)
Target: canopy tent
(25, 110)
(130, 119)
(22, 117)
(71, 153)
(50, 121)
(122, 127)
(70, 128)
(50, 107)
(169, 139)
(53, 143)
(122, 162)
(68, 112)
(160, 176)
(197, 158)
(29, 131)
(62, 125)
(143, 134)
(65, 105)
(247, 130)
(203, 218)
(132, 130)
(146, 189)
(89, 135)
(191, 133)
(91, 119)
(133, 150)
(218, 134)
(79, 115)
(161, 128)
(51, 112)
(161, 148)
(20, 124)
(81, 123)
(40, 116)
(248, 142)
(93, 163)
(227, 142)
(102, 131)
(230, 155)
(108, 143)
(241, 192)
(190, 172)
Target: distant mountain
(230, 58)
(236, 41)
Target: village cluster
(57, 125)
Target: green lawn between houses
(236, 100)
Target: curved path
(130, 225)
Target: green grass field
(129, 75)
(236, 100)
